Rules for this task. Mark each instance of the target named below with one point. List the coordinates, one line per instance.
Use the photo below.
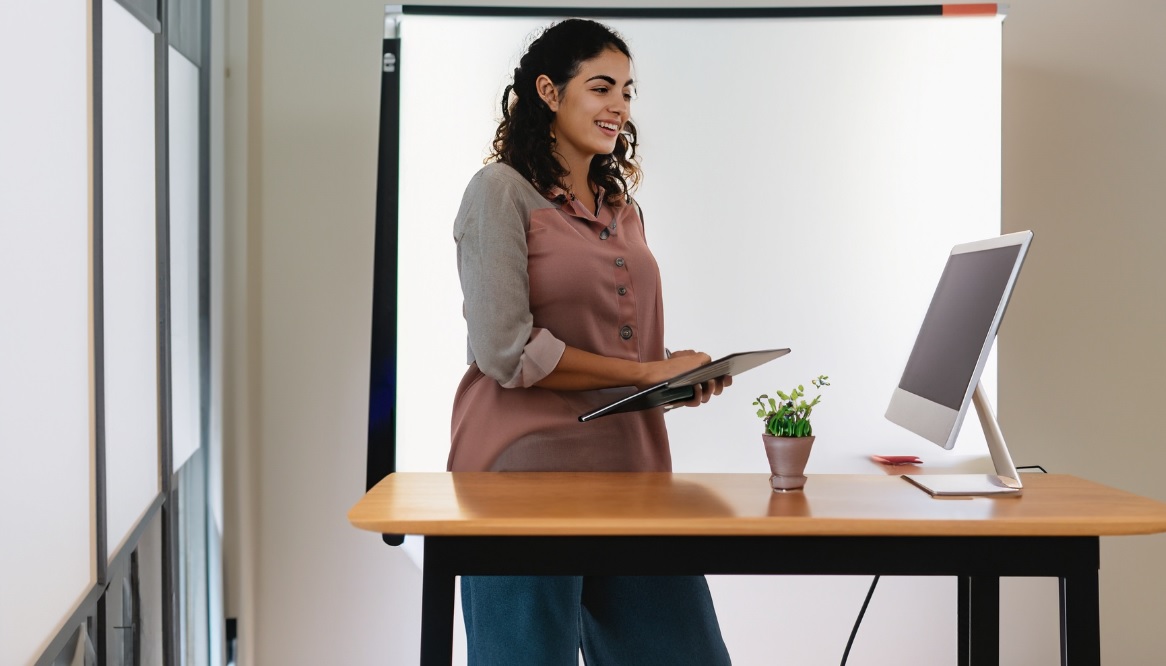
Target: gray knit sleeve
(490, 232)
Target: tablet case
(680, 388)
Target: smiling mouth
(611, 127)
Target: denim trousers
(615, 620)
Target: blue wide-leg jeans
(616, 620)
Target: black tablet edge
(614, 407)
(606, 409)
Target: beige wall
(302, 96)
(1081, 353)
(1084, 165)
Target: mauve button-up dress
(537, 275)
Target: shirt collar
(572, 206)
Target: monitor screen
(956, 326)
(955, 337)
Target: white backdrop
(804, 182)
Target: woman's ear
(547, 91)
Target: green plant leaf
(760, 413)
(782, 395)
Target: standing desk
(564, 523)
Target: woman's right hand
(578, 370)
(678, 363)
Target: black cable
(858, 621)
(1033, 467)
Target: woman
(563, 309)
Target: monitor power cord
(858, 621)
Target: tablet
(679, 388)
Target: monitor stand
(1005, 481)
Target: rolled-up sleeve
(490, 231)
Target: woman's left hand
(704, 391)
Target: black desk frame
(977, 562)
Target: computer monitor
(942, 375)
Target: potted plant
(788, 434)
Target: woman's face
(592, 108)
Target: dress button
(619, 262)
(604, 234)
(622, 290)
(626, 332)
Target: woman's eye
(627, 97)
(601, 89)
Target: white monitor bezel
(935, 422)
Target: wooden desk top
(582, 504)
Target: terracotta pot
(787, 461)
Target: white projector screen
(804, 182)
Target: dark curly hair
(523, 139)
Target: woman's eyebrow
(602, 77)
(610, 81)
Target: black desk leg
(979, 620)
(1080, 620)
(436, 616)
